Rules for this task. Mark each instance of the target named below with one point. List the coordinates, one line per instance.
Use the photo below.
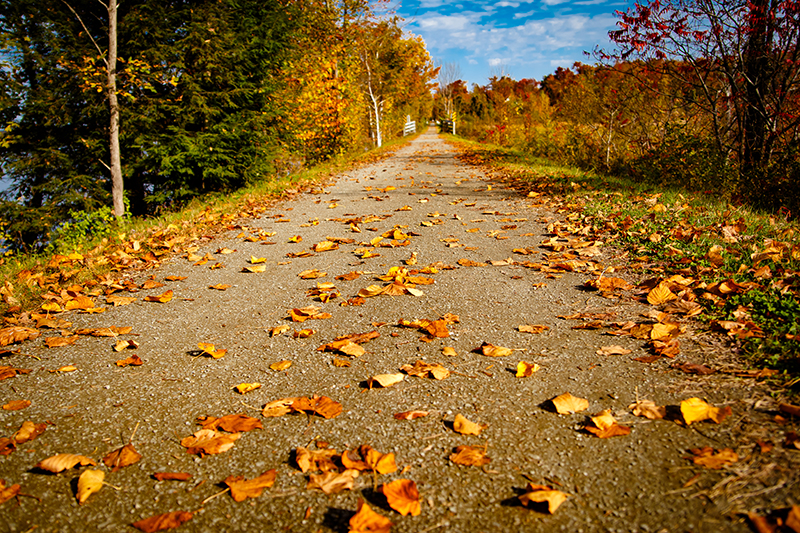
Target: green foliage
(82, 227)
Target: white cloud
(507, 4)
(523, 15)
(554, 2)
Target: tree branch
(102, 54)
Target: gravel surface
(636, 482)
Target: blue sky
(518, 38)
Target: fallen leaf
(242, 488)
(697, 410)
(532, 328)
(303, 333)
(220, 287)
(567, 404)
(312, 274)
(89, 482)
(320, 405)
(209, 442)
(244, 388)
(542, 496)
(385, 380)
(422, 369)
(465, 427)
(648, 409)
(122, 457)
(125, 345)
(28, 431)
(612, 350)
(8, 492)
(660, 294)
(58, 342)
(63, 461)
(16, 405)
(525, 369)
(238, 423)
(332, 482)
(315, 460)
(789, 409)
(449, 351)
(160, 298)
(402, 496)
(325, 246)
(210, 349)
(277, 330)
(410, 415)
(470, 456)
(16, 334)
(255, 269)
(490, 350)
(693, 368)
(163, 521)
(714, 461)
(368, 521)
(280, 366)
(605, 426)
(133, 360)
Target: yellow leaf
(402, 496)
(491, 350)
(255, 269)
(243, 388)
(280, 366)
(465, 427)
(449, 351)
(525, 369)
(211, 350)
(257, 260)
(90, 482)
(63, 461)
(660, 294)
(697, 410)
(567, 403)
(385, 380)
(537, 495)
(277, 330)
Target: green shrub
(82, 227)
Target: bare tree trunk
(117, 185)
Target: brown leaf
(220, 287)
(88, 483)
(605, 426)
(312, 274)
(160, 298)
(368, 521)
(7, 446)
(402, 496)
(714, 461)
(28, 431)
(239, 423)
(58, 342)
(320, 405)
(163, 521)
(543, 497)
(16, 405)
(465, 427)
(8, 492)
(242, 488)
(122, 457)
(209, 442)
(567, 403)
(648, 409)
(422, 369)
(133, 360)
(332, 482)
(410, 415)
(16, 334)
(63, 461)
(693, 368)
(172, 476)
(470, 456)
(315, 460)
(789, 409)
(612, 350)
(532, 328)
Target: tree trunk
(755, 124)
(117, 186)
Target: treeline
(212, 95)
(704, 97)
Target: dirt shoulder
(420, 208)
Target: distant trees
(211, 95)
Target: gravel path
(450, 216)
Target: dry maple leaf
(320, 405)
(238, 423)
(714, 461)
(58, 342)
(470, 456)
(160, 298)
(63, 461)
(209, 442)
(315, 460)
(28, 431)
(532, 328)
(490, 350)
(525, 369)
(332, 482)
(648, 409)
(368, 521)
(385, 380)
(89, 482)
(465, 427)
(8, 492)
(242, 488)
(16, 334)
(277, 408)
(122, 457)
(163, 521)
(696, 410)
(422, 369)
(211, 350)
(410, 415)
(244, 388)
(133, 360)
(542, 497)
(605, 426)
(16, 405)
(402, 496)
(567, 404)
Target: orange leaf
(133, 360)
(122, 457)
(16, 334)
(28, 431)
(172, 476)
(542, 496)
(532, 328)
(605, 426)
(160, 298)
(16, 405)
(567, 403)
(57, 342)
(242, 488)
(465, 427)
(238, 423)
(209, 441)
(332, 482)
(368, 521)
(163, 521)
(6, 493)
(490, 350)
(660, 294)
(714, 461)
(403, 496)
(209, 349)
(648, 409)
(470, 456)
(63, 461)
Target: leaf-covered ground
(413, 347)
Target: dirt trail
(628, 483)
